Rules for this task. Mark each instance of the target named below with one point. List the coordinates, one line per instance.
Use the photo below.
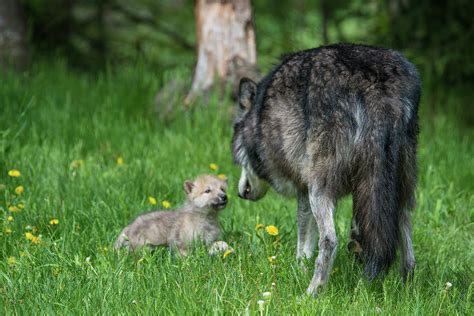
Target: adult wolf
(327, 122)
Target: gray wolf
(326, 122)
(196, 220)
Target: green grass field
(64, 132)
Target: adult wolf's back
(331, 121)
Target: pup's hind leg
(307, 228)
(322, 206)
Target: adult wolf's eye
(207, 191)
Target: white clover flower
(266, 295)
(448, 285)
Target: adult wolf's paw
(312, 290)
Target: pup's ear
(247, 93)
(188, 186)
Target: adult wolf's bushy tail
(375, 201)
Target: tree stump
(225, 38)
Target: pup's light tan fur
(195, 220)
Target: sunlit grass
(92, 153)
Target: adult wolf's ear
(188, 187)
(247, 93)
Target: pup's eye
(207, 191)
(223, 190)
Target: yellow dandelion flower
(213, 166)
(7, 231)
(11, 260)
(13, 208)
(19, 190)
(258, 226)
(166, 204)
(120, 161)
(21, 206)
(272, 259)
(271, 230)
(222, 176)
(76, 164)
(227, 253)
(151, 200)
(10, 218)
(54, 221)
(14, 173)
(36, 240)
(29, 236)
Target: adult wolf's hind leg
(354, 245)
(322, 206)
(307, 228)
(406, 187)
(407, 255)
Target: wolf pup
(326, 122)
(195, 220)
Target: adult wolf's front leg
(322, 206)
(307, 228)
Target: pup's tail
(376, 211)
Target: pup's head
(251, 187)
(207, 192)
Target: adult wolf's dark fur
(336, 120)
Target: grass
(52, 117)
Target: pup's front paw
(219, 247)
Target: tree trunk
(13, 48)
(225, 41)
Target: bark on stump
(225, 40)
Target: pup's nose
(222, 197)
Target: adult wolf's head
(244, 150)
